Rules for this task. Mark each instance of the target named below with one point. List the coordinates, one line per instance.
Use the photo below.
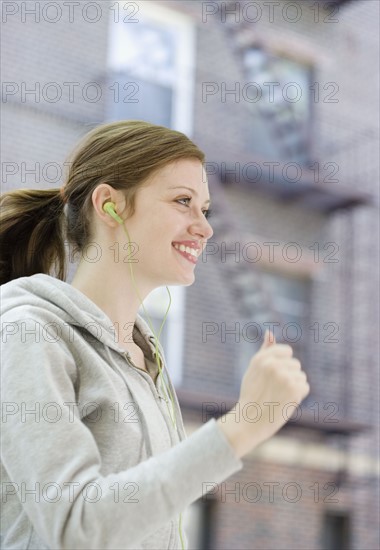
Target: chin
(185, 281)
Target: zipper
(128, 356)
(169, 404)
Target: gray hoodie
(89, 454)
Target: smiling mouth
(187, 255)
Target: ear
(102, 194)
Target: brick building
(282, 97)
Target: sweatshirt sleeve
(54, 463)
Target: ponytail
(31, 234)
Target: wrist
(235, 430)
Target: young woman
(94, 452)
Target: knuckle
(303, 376)
(285, 379)
(272, 371)
(297, 363)
(267, 363)
(277, 367)
(289, 349)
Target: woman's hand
(273, 379)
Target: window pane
(156, 304)
(198, 523)
(140, 100)
(286, 287)
(289, 298)
(145, 50)
(156, 53)
(336, 531)
(280, 117)
(142, 55)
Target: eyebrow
(190, 189)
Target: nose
(201, 226)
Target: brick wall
(344, 293)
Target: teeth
(187, 249)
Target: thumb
(269, 339)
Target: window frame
(182, 110)
(182, 116)
(307, 65)
(174, 325)
(250, 348)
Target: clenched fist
(273, 379)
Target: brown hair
(124, 154)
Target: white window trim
(184, 85)
(182, 121)
(156, 304)
(176, 335)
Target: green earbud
(109, 207)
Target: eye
(207, 213)
(185, 199)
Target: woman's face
(170, 211)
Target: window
(336, 531)
(280, 106)
(172, 334)
(198, 523)
(151, 67)
(289, 299)
(150, 77)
